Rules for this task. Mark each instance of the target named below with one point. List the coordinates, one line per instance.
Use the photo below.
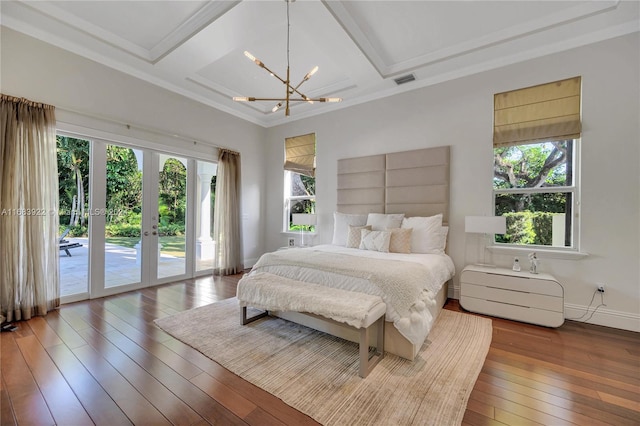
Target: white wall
(460, 113)
(92, 98)
(456, 113)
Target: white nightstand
(520, 296)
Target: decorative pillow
(375, 240)
(341, 222)
(380, 221)
(400, 241)
(354, 236)
(426, 236)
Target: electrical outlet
(601, 288)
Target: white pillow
(444, 231)
(380, 221)
(375, 240)
(423, 241)
(354, 236)
(341, 222)
(427, 234)
(432, 223)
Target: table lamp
(305, 220)
(485, 225)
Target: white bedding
(414, 324)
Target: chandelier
(292, 93)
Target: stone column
(205, 246)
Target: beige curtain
(548, 111)
(226, 215)
(28, 205)
(300, 154)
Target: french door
(129, 220)
(149, 221)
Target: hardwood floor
(104, 362)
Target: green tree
(124, 186)
(530, 166)
(73, 177)
(302, 185)
(173, 191)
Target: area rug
(318, 374)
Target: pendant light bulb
(310, 73)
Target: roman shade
(300, 154)
(545, 112)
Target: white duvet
(415, 323)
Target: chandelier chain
(288, 31)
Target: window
(299, 179)
(534, 187)
(536, 136)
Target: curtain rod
(26, 101)
(129, 126)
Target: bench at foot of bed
(362, 312)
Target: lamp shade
(304, 219)
(485, 224)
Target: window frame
(288, 201)
(574, 189)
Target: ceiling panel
(139, 22)
(195, 48)
(401, 31)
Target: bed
(398, 199)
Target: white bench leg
(367, 363)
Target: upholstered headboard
(412, 182)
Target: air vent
(404, 79)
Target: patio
(120, 267)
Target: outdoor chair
(66, 244)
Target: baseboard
(248, 263)
(603, 316)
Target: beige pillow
(375, 240)
(400, 241)
(354, 236)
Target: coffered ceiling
(195, 48)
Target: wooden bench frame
(368, 360)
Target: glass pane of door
(172, 214)
(123, 216)
(73, 186)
